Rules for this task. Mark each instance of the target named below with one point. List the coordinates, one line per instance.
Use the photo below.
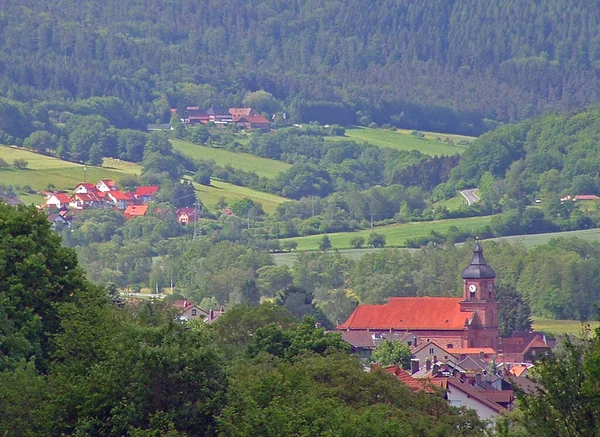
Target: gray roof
(478, 269)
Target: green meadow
(43, 170)
(537, 239)
(399, 140)
(210, 195)
(437, 136)
(396, 235)
(561, 327)
(262, 166)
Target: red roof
(586, 197)
(119, 195)
(149, 190)
(415, 384)
(86, 197)
(410, 313)
(473, 351)
(109, 183)
(61, 197)
(135, 211)
(87, 185)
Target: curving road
(470, 196)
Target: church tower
(479, 298)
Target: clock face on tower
(472, 288)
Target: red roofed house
(58, 200)
(254, 122)
(106, 185)
(84, 201)
(584, 197)
(188, 310)
(120, 199)
(85, 188)
(237, 113)
(135, 211)
(186, 215)
(146, 193)
(429, 385)
(467, 322)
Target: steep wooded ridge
(439, 64)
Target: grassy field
(396, 235)
(399, 140)
(560, 327)
(43, 170)
(436, 136)
(263, 167)
(232, 193)
(537, 239)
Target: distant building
(467, 322)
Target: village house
(133, 211)
(121, 200)
(245, 118)
(146, 193)
(186, 215)
(58, 200)
(106, 185)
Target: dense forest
(445, 66)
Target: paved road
(470, 196)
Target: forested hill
(437, 64)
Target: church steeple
(479, 292)
(479, 268)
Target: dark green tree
(514, 313)
(376, 240)
(324, 243)
(37, 274)
(392, 352)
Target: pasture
(210, 195)
(43, 170)
(562, 327)
(533, 240)
(396, 234)
(261, 166)
(399, 140)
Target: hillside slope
(434, 65)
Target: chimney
(434, 359)
(478, 378)
(211, 315)
(428, 364)
(435, 370)
(481, 355)
(414, 365)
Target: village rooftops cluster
(245, 118)
(105, 194)
(454, 342)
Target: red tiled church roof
(410, 313)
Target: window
(194, 312)
(431, 350)
(449, 346)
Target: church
(470, 321)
